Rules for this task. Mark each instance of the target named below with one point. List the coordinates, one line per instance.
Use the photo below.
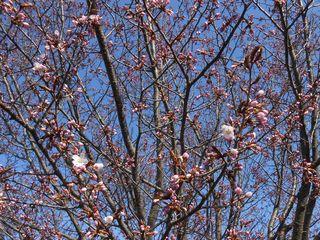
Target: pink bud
(175, 177)
(254, 103)
(185, 156)
(261, 115)
(238, 191)
(239, 167)
(175, 186)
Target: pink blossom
(185, 156)
(95, 19)
(234, 152)
(261, 115)
(175, 178)
(254, 103)
(239, 167)
(310, 109)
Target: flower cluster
(17, 17)
(39, 67)
(91, 20)
(80, 164)
(158, 3)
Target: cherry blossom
(228, 132)
(187, 119)
(260, 93)
(79, 161)
(248, 194)
(98, 166)
(238, 190)
(108, 220)
(234, 152)
(39, 67)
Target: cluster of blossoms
(138, 107)
(235, 234)
(175, 204)
(57, 136)
(106, 222)
(220, 93)
(91, 20)
(39, 67)
(262, 117)
(233, 153)
(175, 183)
(276, 138)
(17, 17)
(54, 42)
(188, 59)
(158, 3)
(228, 133)
(20, 20)
(146, 230)
(239, 192)
(91, 191)
(260, 113)
(1, 199)
(310, 174)
(34, 111)
(80, 163)
(250, 110)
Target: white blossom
(108, 219)
(260, 93)
(39, 67)
(227, 132)
(98, 166)
(79, 161)
(234, 152)
(248, 194)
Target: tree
(158, 119)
